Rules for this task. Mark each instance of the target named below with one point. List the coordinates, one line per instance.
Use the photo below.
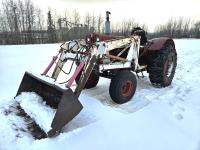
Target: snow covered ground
(155, 119)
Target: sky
(150, 12)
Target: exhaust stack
(107, 23)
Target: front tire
(92, 80)
(122, 87)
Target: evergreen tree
(52, 38)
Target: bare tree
(11, 14)
(39, 19)
(21, 7)
(176, 28)
(3, 22)
(29, 20)
(11, 11)
(76, 17)
(196, 29)
(125, 27)
(186, 28)
(99, 23)
(179, 27)
(93, 26)
(88, 19)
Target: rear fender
(158, 43)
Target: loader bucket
(64, 100)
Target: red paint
(102, 37)
(51, 63)
(127, 88)
(157, 43)
(77, 71)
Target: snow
(155, 119)
(17, 59)
(49, 80)
(32, 104)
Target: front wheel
(123, 86)
(92, 80)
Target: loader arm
(85, 75)
(72, 106)
(63, 99)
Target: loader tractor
(117, 58)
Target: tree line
(179, 28)
(21, 22)
(18, 20)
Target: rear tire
(162, 69)
(122, 87)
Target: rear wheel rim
(127, 88)
(168, 67)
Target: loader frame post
(51, 63)
(77, 71)
(85, 75)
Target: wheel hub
(127, 88)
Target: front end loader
(56, 96)
(86, 57)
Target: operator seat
(139, 31)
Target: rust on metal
(94, 37)
(68, 108)
(85, 75)
(157, 43)
(64, 100)
(116, 57)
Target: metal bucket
(64, 100)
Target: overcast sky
(150, 12)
